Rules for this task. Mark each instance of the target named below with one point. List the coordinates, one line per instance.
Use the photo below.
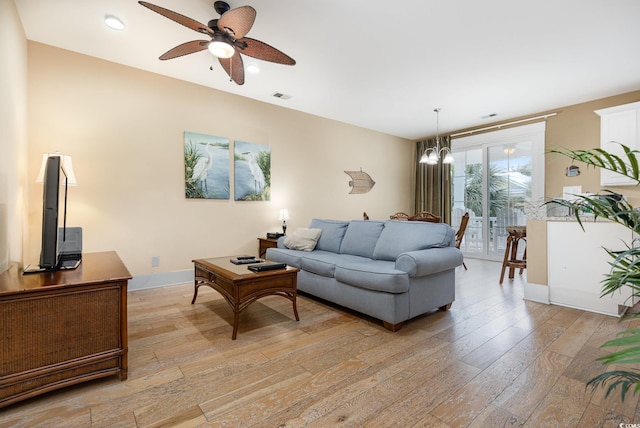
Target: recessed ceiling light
(253, 68)
(114, 22)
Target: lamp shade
(284, 214)
(67, 167)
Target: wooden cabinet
(619, 124)
(62, 328)
(577, 263)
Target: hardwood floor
(492, 360)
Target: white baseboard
(162, 279)
(536, 293)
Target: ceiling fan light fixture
(221, 49)
(113, 22)
(227, 41)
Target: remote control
(245, 257)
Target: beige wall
(124, 128)
(13, 135)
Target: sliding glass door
(494, 176)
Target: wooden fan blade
(260, 50)
(180, 19)
(234, 67)
(239, 20)
(185, 49)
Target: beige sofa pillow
(303, 239)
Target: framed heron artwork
(206, 166)
(252, 171)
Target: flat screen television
(50, 212)
(61, 247)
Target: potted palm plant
(625, 265)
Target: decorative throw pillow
(303, 239)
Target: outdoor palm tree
(498, 196)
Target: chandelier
(432, 155)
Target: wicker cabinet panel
(59, 327)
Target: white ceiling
(379, 64)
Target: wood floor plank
(276, 404)
(429, 389)
(596, 416)
(486, 354)
(493, 417)
(565, 404)
(189, 418)
(58, 416)
(522, 396)
(577, 334)
(472, 399)
(330, 407)
(565, 316)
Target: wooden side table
(264, 244)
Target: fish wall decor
(360, 182)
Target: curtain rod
(544, 116)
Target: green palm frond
(625, 271)
(627, 165)
(626, 380)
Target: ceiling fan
(227, 38)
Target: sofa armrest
(281, 242)
(431, 260)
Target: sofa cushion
(303, 239)
(323, 263)
(332, 234)
(284, 255)
(375, 275)
(361, 237)
(402, 236)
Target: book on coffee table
(262, 267)
(245, 260)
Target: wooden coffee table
(240, 287)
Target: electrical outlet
(155, 261)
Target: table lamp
(284, 216)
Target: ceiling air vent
(281, 95)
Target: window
(494, 175)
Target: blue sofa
(391, 270)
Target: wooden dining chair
(460, 233)
(399, 216)
(425, 216)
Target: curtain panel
(433, 182)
